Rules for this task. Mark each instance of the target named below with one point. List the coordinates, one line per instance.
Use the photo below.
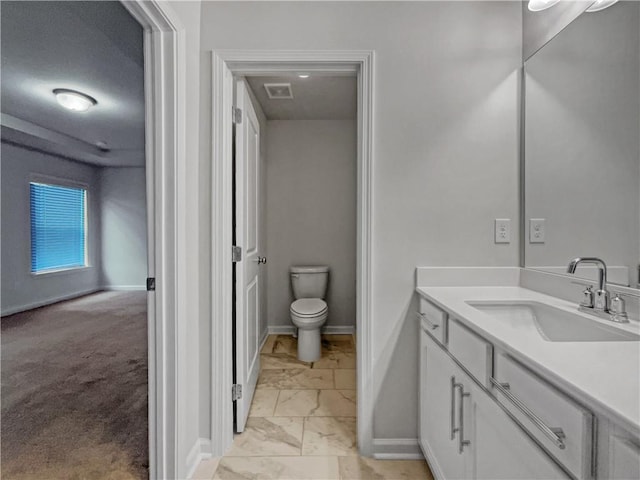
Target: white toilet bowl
(308, 315)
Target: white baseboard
(328, 329)
(339, 329)
(397, 449)
(201, 450)
(48, 301)
(281, 330)
(124, 288)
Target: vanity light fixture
(600, 5)
(73, 100)
(303, 75)
(539, 5)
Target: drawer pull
(452, 408)
(461, 441)
(555, 434)
(429, 323)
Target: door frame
(165, 154)
(225, 64)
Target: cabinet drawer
(564, 427)
(471, 350)
(433, 321)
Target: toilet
(309, 310)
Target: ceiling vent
(278, 91)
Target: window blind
(58, 227)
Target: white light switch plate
(536, 230)
(503, 230)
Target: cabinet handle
(555, 434)
(430, 324)
(452, 408)
(461, 441)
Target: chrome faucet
(598, 303)
(601, 296)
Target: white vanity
(515, 383)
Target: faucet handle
(587, 297)
(618, 309)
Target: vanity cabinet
(464, 433)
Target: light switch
(536, 230)
(503, 230)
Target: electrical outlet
(503, 230)
(536, 230)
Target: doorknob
(261, 260)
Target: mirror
(582, 146)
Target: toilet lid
(309, 306)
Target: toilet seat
(309, 307)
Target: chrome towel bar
(556, 435)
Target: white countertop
(603, 374)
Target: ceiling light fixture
(74, 101)
(600, 5)
(303, 75)
(539, 5)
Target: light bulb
(74, 101)
(539, 5)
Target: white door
(247, 233)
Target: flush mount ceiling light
(600, 5)
(303, 75)
(74, 101)
(539, 5)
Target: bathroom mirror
(582, 145)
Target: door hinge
(151, 284)
(237, 115)
(236, 254)
(236, 392)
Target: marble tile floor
(302, 422)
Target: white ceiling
(95, 47)
(315, 98)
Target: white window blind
(58, 227)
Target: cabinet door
(437, 407)
(624, 458)
(501, 450)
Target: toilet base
(309, 345)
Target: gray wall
(540, 27)
(311, 212)
(445, 146)
(583, 140)
(20, 289)
(124, 227)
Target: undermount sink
(552, 324)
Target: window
(58, 227)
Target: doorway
(295, 222)
(74, 303)
(225, 66)
(165, 151)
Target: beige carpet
(74, 390)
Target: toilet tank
(309, 281)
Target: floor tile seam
(269, 456)
(275, 404)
